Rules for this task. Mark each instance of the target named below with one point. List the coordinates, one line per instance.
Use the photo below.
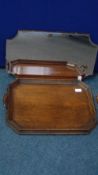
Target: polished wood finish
(50, 107)
(54, 102)
(44, 69)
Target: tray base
(51, 106)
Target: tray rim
(30, 62)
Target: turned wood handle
(5, 100)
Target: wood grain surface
(52, 107)
(47, 97)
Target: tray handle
(97, 98)
(5, 100)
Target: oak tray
(49, 97)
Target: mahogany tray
(48, 100)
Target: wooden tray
(50, 101)
(43, 69)
(50, 107)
